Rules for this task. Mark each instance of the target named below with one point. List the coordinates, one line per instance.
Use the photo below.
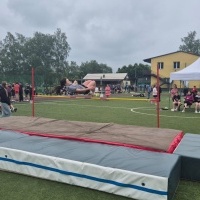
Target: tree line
(48, 54)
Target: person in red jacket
(107, 91)
(16, 88)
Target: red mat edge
(175, 142)
(171, 148)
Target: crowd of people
(18, 92)
(10, 93)
(190, 97)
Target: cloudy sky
(113, 32)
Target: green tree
(73, 71)
(11, 59)
(190, 44)
(93, 67)
(38, 53)
(135, 71)
(46, 53)
(60, 52)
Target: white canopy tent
(192, 72)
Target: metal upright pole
(33, 86)
(157, 99)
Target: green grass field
(129, 110)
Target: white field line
(57, 103)
(169, 116)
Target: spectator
(9, 89)
(12, 92)
(155, 94)
(21, 92)
(16, 88)
(5, 100)
(30, 93)
(26, 91)
(159, 89)
(149, 90)
(176, 102)
(174, 90)
(189, 99)
(107, 91)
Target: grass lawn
(126, 111)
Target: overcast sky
(113, 32)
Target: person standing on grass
(16, 88)
(174, 90)
(159, 89)
(155, 94)
(26, 91)
(107, 91)
(149, 91)
(21, 92)
(9, 89)
(12, 92)
(5, 100)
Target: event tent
(192, 72)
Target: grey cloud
(36, 13)
(115, 32)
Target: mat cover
(133, 173)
